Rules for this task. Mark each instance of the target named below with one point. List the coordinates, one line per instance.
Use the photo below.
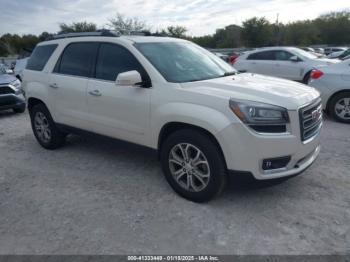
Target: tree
(257, 32)
(77, 27)
(176, 31)
(125, 25)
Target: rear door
(118, 111)
(262, 63)
(69, 82)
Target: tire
(339, 101)
(307, 78)
(19, 110)
(45, 129)
(202, 187)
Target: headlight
(17, 85)
(260, 116)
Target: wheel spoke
(189, 167)
(199, 178)
(347, 101)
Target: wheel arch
(333, 95)
(172, 127)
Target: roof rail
(84, 34)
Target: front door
(118, 111)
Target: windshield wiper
(229, 73)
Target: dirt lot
(97, 196)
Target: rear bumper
(9, 101)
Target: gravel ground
(97, 196)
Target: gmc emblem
(316, 113)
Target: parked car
(308, 49)
(340, 55)
(222, 56)
(4, 68)
(333, 83)
(205, 120)
(329, 50)
(232, 57)
(286, 62)
(319, 50)
(19, 67)
(10, 92)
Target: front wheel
(339, 107)
(193, 165)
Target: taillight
(315, 74)
(233, 59)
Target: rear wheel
(339, 107)
(307, 78)
(44, 128)
(193, 165)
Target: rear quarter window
(40, 56)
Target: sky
(200, 17)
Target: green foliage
(125, 25)
(331, 29)
(175, 31)
(257, 32)
(77, 27)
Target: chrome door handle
(54, 85)
(95, 93)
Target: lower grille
(310, 117)
(4, 90)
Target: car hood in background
(6, 79)
(254, 87)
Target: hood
(6, 79)
(254, 87)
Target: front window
(180, 62)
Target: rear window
(40, 56)
(265, 55)
(77, 59)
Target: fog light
(275, 163)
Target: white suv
(286, 62)
(205, 120)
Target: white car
(333, 83)
(173, 96)
(286, 62)
(19, 67)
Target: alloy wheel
(189, 167)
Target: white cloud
(199, 16)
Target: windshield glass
(180, 62)
(304, 54)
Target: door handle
(54, 85)
(95, 93)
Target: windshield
(304, 54)
(180, 62)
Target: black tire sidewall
(57, 138)
(210, 150)
(332, 104)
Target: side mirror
(294, 58)
(129, 78)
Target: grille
(310, 120)
(6, 90)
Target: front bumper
(245, 150)
(9, 101)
